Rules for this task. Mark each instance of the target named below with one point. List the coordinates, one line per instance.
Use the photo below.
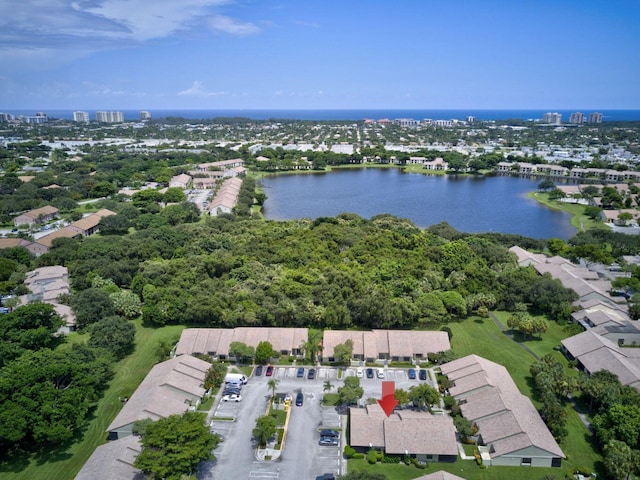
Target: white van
(235, 378)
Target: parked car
(299, 399)
(230, 391)
(300, 373)
(269, 371)
(312, 374)
(359, 373)
(369, 372)
(329, 433)
(329, 441)
(232, 398)
(258, 371)
(326, 476)
(380, 373)
(423, 374)
(412, 374)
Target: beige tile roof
(65, 232)
(46, 274)
(420, 433)
(113, 460)
(396, 343)
(440, 475)
(46, 210)
(164, 391)
(366, 426)
(520, 425)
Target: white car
(359, 373)
(232, 398)
(380, 373)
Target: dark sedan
(423, 374)
(412, 374)
(300, 373)
(312, 374)
(329, 433)
(369, 372)
(258, 370)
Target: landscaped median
(274, 424)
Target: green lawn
(65, 463)
(578, 218)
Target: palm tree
(327, 386)
(273, 384)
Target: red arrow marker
(388, 402)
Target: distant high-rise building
(407, 122)
(6, 117)
(553, 118)
(39, 117)
(144, 115)
(577, 118)
(109, 117)
(595, 117)
(82, 117)
(471, 119)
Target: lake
(468, 203)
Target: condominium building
(109, 117)
(577, 118)
(6, 117)
(82, 117)
(553, 118)
(595, 117)
(144, 115)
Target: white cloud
(198, 89)
(81, 27)
(229, 25)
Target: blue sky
(261, 54)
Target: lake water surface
(470, 204)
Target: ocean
(344, 115)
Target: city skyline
(221, 54)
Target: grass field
(578, 218)
(485, 339)
(65, 463)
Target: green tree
(114, 225)
(45, 395)
(174, 446)
(30, 327)
(126, 303)
(343, 352)
(556, 194)
(351, 391)
(242, 351)
(620, 460)
(273, 385)
(115, 334)
(215, 375)
(362, 475)
(264, 430)
(264, 352)
(402, 396)
(546, 185)
(174, 195)
(424, 396)
(91, 305)
(464, 427)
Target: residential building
(38, 216)
(46, 284)
(180, 181)
(116, 458)
(554, 118)
(577, 118)
(109, 117)
(510, 430)
(595, 117)
(427, 437)
(39, 117)
(170, 388)
(34, 248)
(215, 342)
(82, 117)
(385, 345)
(226, 197)
(145, 115)
(407, 122)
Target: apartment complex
(109, 117)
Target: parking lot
(302, 456)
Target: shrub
(358, 456)
(419, 465)
(349, 452)
(372, 456)
(392, 459)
